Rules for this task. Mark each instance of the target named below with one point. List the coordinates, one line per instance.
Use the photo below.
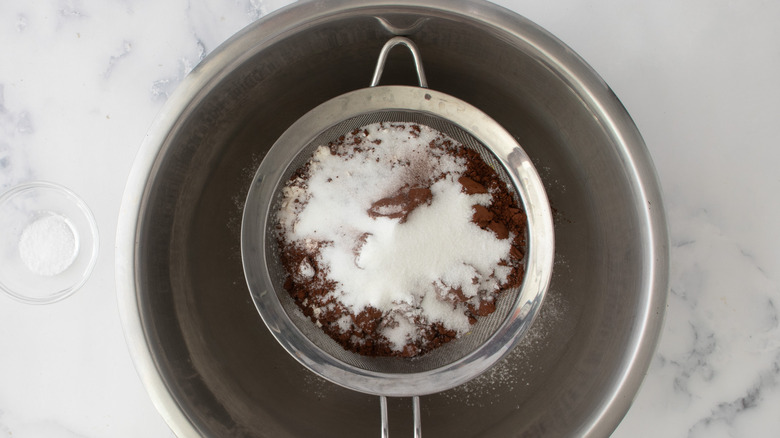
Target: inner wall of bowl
(228, 373)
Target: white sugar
(402, 266)
(305, 269)
(400, 334)
(400, 263)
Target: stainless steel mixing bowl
(200, 347)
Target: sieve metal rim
(473, 121)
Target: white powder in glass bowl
(49, 245)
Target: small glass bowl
(36, 220)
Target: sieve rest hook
(415, 406)
(392, 42)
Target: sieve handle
(392, 42)
(415, 407)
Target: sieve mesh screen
(442, 356)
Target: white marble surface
(82, 80)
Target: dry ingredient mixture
(396, 238)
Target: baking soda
(49, 245)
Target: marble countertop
(82, 80)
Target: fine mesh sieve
(436, 358)
(455, 362)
